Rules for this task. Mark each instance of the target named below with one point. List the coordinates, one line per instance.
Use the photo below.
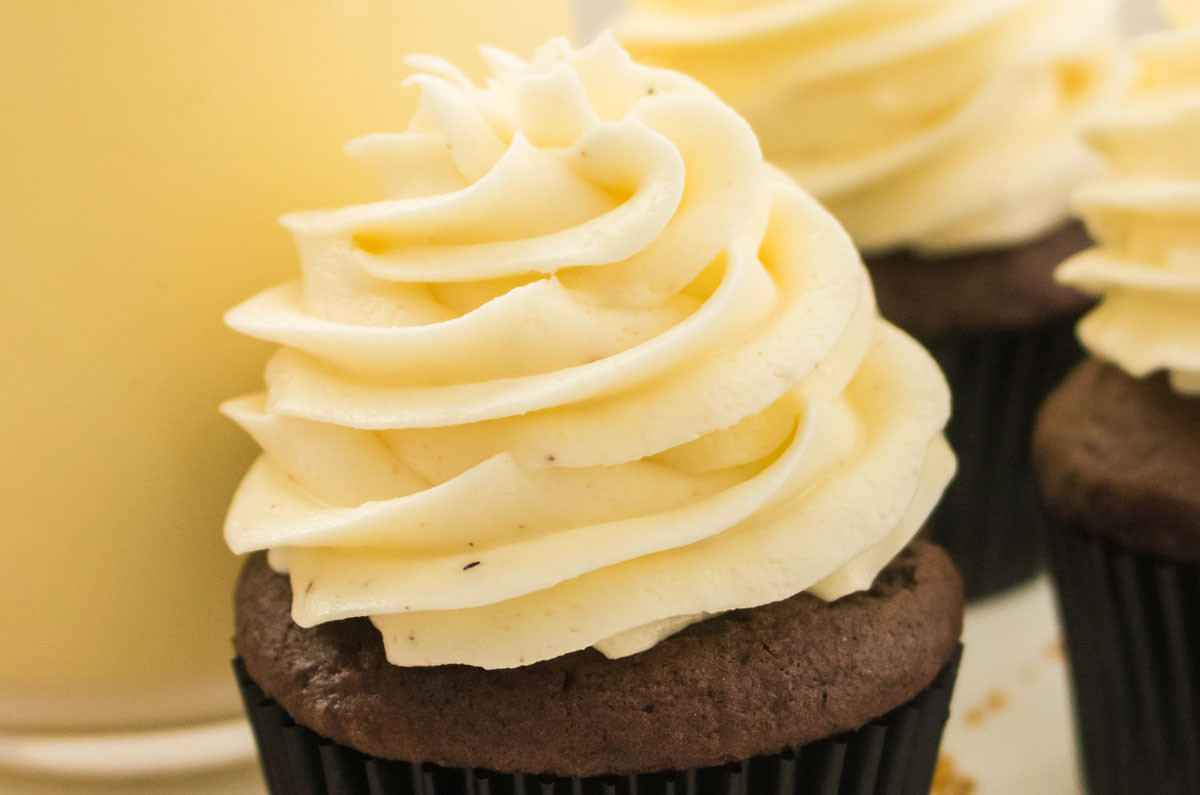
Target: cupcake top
(935, 124)
(590, 373)
(1145, 213)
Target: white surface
(216, 758)
(242, 780)
(128, 755)
(1010, 725)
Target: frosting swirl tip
(1144, 211)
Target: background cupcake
(546, 405)
(1118, 443)
(944, 136)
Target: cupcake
(588, 464)
(944, 136)
(1117, 445)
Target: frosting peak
(1145, 213)
(936, 124)
(590, 372)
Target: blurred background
(146, 150)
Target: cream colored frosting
(590, 373)
(932, 124)
(1145, 213)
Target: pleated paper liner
(1132, 631)
(988, 518)
(894, 755)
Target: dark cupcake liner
(1132, 629)
(988, 517)
(894, 755)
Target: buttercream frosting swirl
(931, 124)
(1145, 214)
(591, 372)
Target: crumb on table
(948, 780)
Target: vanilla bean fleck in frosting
(590, 373)
(939, 125)
(1145, 213)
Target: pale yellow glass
(146, 148)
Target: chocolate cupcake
(789, 697)
(1117, 445)
(568, 438)
(944, 137)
